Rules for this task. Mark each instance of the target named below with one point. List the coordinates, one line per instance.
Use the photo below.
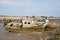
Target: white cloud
(14, 3)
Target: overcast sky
(30, 7)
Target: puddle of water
(2, 28)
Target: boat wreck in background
(29, 23)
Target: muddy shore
(5, 35)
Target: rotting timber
(28, 25)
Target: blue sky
(30, 7)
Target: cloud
(14, 3)
(30, 7)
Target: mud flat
(5, 35)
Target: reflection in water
(2, 27)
